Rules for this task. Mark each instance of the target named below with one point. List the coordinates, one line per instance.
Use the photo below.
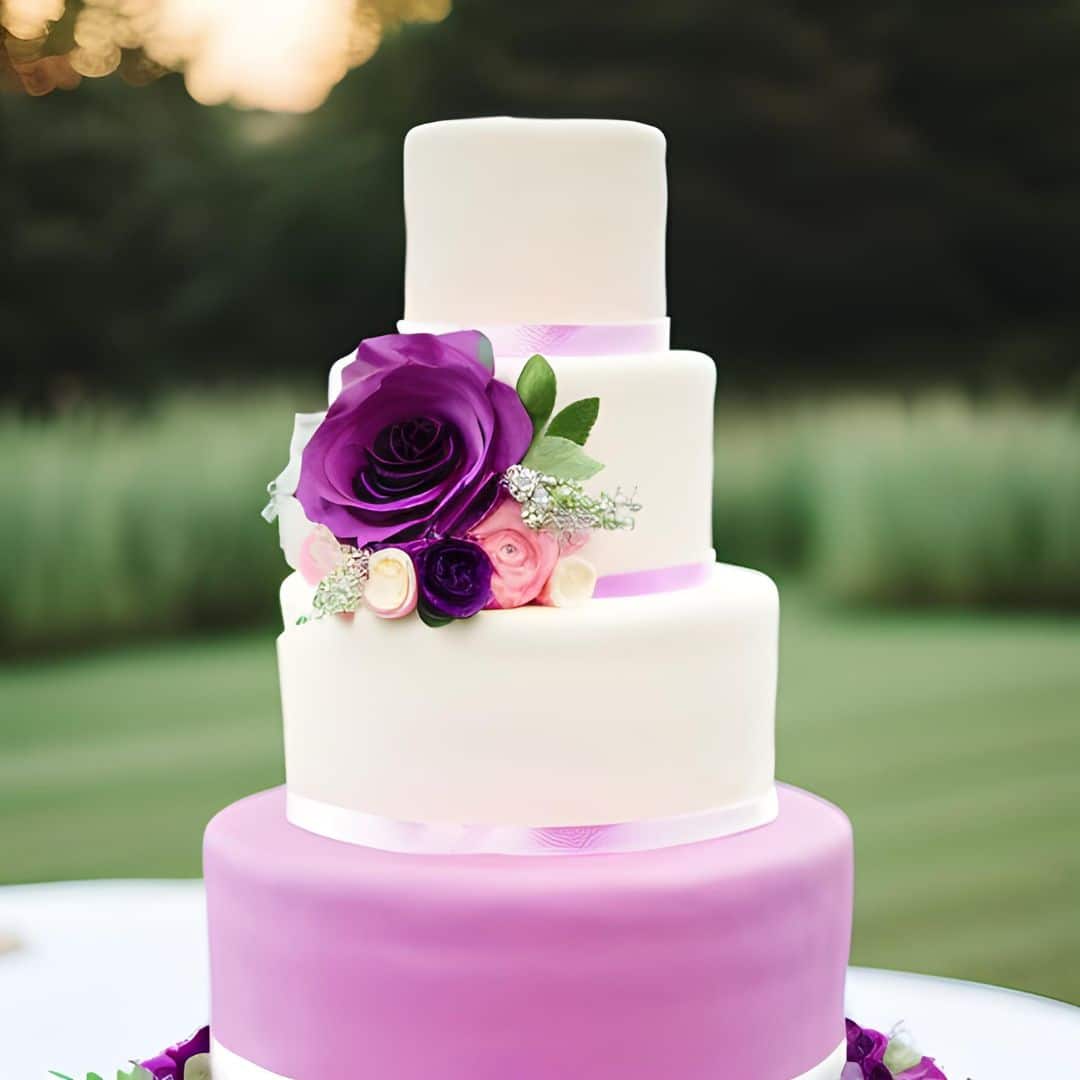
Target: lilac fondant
(677, 964)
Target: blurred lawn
(952, 741)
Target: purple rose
(171, 1063)
(866, 1047)
(415, 442)
(866, 1058)
(454, 578)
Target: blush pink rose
(319, 555)
(521, 558)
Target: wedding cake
(530, 829)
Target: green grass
(952, 741)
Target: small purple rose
(414, 444)
(171, 1063)
(454, 578)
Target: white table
(108, 970)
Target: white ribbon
(418, 838)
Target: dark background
(868, 192)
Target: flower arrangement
(874, 1056)
(429, 486)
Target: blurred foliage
(880, 191)
(881, 500)
(130, 526)
(127, 524)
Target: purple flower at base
(866, 1051)
(414, 444)
(866, 1047)
(170, 1064)
(454, 578)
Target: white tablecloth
(106, 971)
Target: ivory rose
(571, 583)
(391, 585)
(522, 559)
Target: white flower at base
(197, 1067)
(571, 584)
(391, 585)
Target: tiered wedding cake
(530, 829)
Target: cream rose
(571, 584)
(390, 591)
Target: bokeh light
(280, 55)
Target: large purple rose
(415, 442)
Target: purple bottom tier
(719, 959)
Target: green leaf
(485, 354)
(432, 618)
(536, 388)
(575, 422)
(560, 457)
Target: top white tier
(534, 221)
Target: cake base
(724, 958)
(229, 1066)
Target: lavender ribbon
(643, 582)
(563, 339)
(417, 838)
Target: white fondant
(226, 1065)
(230, 1066)
(413, 838)
(618, 710)
(654, 435)
(535, 221)
(293, 527)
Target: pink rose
(521, 558)
(320, 554)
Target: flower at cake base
(454, 579)
(416, 441)
(187, 1060)
(572, 583)
(391, 590)
(874, 1056)
(522, 559)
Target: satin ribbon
(416, 838)
(562, 339)
(643, 582)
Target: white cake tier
(621, 710)
(535, 221)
